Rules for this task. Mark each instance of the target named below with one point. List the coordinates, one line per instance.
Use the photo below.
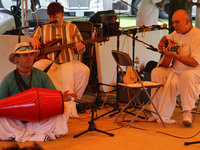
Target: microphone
(70, 98)
(55, 22)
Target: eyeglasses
(23, 48)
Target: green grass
(130, 21)
(125, 21)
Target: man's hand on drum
(67, 96)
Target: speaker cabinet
(125, 95)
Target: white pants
(185, 84)
(54, 127)
(72, 76)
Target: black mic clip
(143, 27)
(54, 22)
(70, 98)
(152, 48)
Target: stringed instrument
(165, 61)
(48, 48)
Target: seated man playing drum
(18, 81)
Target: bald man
(183, 76)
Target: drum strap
(20, 81)
(48, 67)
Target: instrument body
(165, 61)
(34, 105)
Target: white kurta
(179, 79)
(148, 13)
(51, 128)
(66, 73)
(71, 76)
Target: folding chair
(87, 31)
(196, 112)
(123, 59)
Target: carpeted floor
(142, 135)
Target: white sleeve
(155, 1)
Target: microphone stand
(116, 106)
(19, 39)
(135, 38)
(188, 143)
(92, 125)
(129, 5)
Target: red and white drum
(34, 105)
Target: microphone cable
(161, 132)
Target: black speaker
(104, 17)
(108, 19)
(125, 95)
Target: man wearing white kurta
(148, 12)
(12, 84)
(183, 77)
(66, 72)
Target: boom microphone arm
(129, 5)
(133, 37)
(52, 22)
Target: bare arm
(189, 61)
(162, 43)
(193, 3)
(161, 4)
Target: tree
(175, 5)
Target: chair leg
(196, 113)
(179, 104)
(138, 114)
(151, 99)
(142, 108)
(138, 101)
(126, 106)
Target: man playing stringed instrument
(183, 77)
(65, 72)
